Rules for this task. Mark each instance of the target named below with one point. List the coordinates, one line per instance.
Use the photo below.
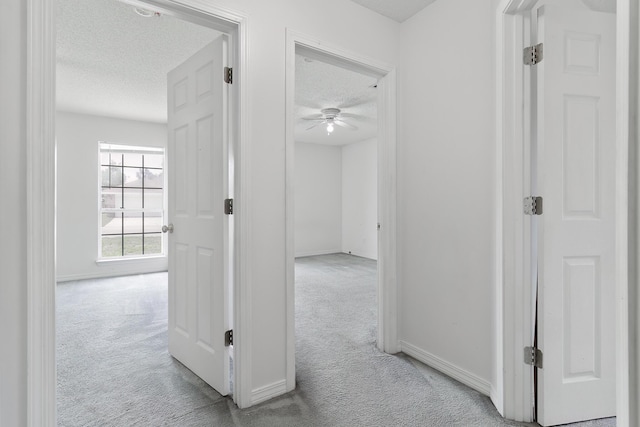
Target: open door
(197, 186)
(576, 145)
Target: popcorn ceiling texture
(113, 62)
(320, 85)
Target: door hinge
(228, 206)
(533, 205)
(533, 356)
(228, 75)
(532, 55)
(228, 338)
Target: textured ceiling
(320, 85)
(113, 62)
(398, 10)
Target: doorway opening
(336, 245)
(143, 101)
(41, 287)
(377, 221)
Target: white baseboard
(373, 258)
(361, 254)
(455, 372)
(105, 274)
(320, 252)
(269, 391)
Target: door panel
(198, 291)
(576, 155)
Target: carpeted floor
(114, 368)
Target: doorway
(41, 116)
(174, 98)
(315, 50)
(335, 215)
(568, 158)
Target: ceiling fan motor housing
(330, 113)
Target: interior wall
(78, 192)
(13, 213)
(360, 198)
(318, 199)
(446, 162)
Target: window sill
(116, 261)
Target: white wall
(13, 211)
(360, 199)
(77, 153)
(336, 199)
(446, 160)
(318, 199)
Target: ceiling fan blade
(345, 124)
(319, 118)
(354, 116)
(311, 127)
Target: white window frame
(127, 148)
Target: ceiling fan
(330, 117)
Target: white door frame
(387, 286)
(514, 389)
(40, 123)
(627, 214)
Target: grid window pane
(104, 158)
(111, 198)
(133, 159)
(154, 160)
(132, 222)
(132, 177)
(115, 158)
(111, 246)
(153, 199)
(133, 244)
(132, 198)
(116, 177)
(152, 222)
(104, 174)
(153, 178)
(111, 223)
(152, 244)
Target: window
(132, 201)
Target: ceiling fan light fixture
(329, 128)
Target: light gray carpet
(114, 369)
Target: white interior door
(197, 184)
(576, 155)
